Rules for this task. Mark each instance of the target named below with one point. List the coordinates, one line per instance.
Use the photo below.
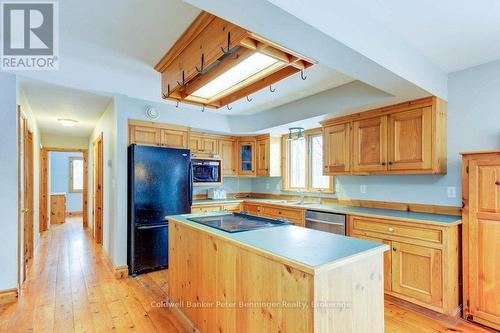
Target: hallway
(71, 288)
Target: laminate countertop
(428, 218)
(310, 249)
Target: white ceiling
(451, 34)
(51, 102)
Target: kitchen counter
(438, 219)
(309, 249)
(277, 279)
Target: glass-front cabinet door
(246, 158)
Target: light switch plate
(452, 191)
(362, 188)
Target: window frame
(71, 166)
(286, 147)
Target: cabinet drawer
(291, 214)
(253, 209)
(362, 224)
(206, 209)
(232, 207)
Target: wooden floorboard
(71, 288)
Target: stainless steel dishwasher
(329, 222)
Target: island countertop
(309, 249)
(438, 219)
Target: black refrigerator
(159, 184)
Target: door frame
(98, 189)
(44, 178)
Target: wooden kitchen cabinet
(410, 140)
(370, 144)
(407, 138)
(174, 138)
(228, 153)
(156, 134)
(337, 149)
(57, 208)
(422, 265)
(417, 272)
(201, 144)
(294, 215)
(144, 135)
(246, 156)
(481, 237)
(268, 156)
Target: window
(75, 174)
(303, 169)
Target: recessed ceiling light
(67, 122)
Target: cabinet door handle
(391, 229)
(391, 163)
(394, 249)
(497, 183)
(383, 163)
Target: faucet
(301, 197)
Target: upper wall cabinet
(203, 144)
(229, 156)
(407, 138)
(246, 156)
(337, 149)
(154, 134)
(268, 156)
(370, 144)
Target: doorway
(97, 195)
(67, 188)
(26, 194)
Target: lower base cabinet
(228, 207)
(422, 266)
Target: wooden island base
(222, 285)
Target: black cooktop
(237, 222)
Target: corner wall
(107, 127)
(8, 178)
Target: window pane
(298, 163)
(317, 178)
(77, 170)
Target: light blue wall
(473, 124)
(59, 179)
(230, 184)
(8, 181)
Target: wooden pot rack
(210, 47)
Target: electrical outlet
(452, 192)
(362, 188)
(268, 186)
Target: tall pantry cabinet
(481, 236)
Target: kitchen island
(279, 279)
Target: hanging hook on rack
(203, 108)
(302, 76)
(228, 51)
(271, 89)
(168, 92)
(183, 81)
(228, 107)
(202, 69)
(249, 99)
(177, 104)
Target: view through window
(76, 174)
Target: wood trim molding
(401, 206)
(8, 296)
(120, 272)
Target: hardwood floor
(71, 288)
